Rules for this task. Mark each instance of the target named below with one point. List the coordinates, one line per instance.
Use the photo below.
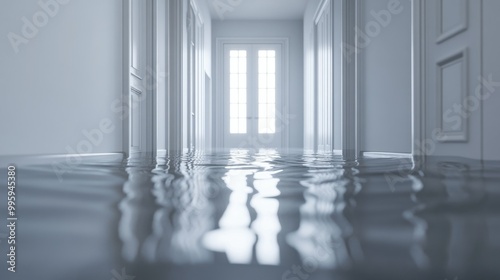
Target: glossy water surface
(263, 215)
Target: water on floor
(256, 215)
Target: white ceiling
(256, 9)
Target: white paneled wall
(460, 79)
(435, 95)
(452, 68)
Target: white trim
(386, 155)
(337, 152)
(67, 159)
(349, 119)
(153, 60)
(418, 78)
(175, 84)
(125, 76)
(219, 98)
(359, 85)
(320, 10)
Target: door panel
(138, 37)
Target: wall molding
(454, 58)
(64, 159)
(443, 35)
(320, 10)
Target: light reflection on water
(264, 214)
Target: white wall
(64, 80)
(385, 76)
(491, 107)
(290, 29)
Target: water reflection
(348, 212)
(450, 222)
(252, 185)
(264, 214)
(324, 230)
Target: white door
(139, 77)
(453, 73)
(253, 92)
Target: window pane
(271, 65)
(262, 65)
(262, 81)
(243, 65)
(233, 53)
(267, 91)
(271, 111)
(233, 83)
(233, 111)
(242, 81)
(242, 126)
(262, 111)
(242, 110)
(233, 65)
(271, 96)
(238, 91)
(233, 96)
(271, 81)
(243, 96)
(262, 126)
(262, 96)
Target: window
(251, 88)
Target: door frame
(219, 107)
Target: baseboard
(386, 155)
(161, 153)
(74, 159)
